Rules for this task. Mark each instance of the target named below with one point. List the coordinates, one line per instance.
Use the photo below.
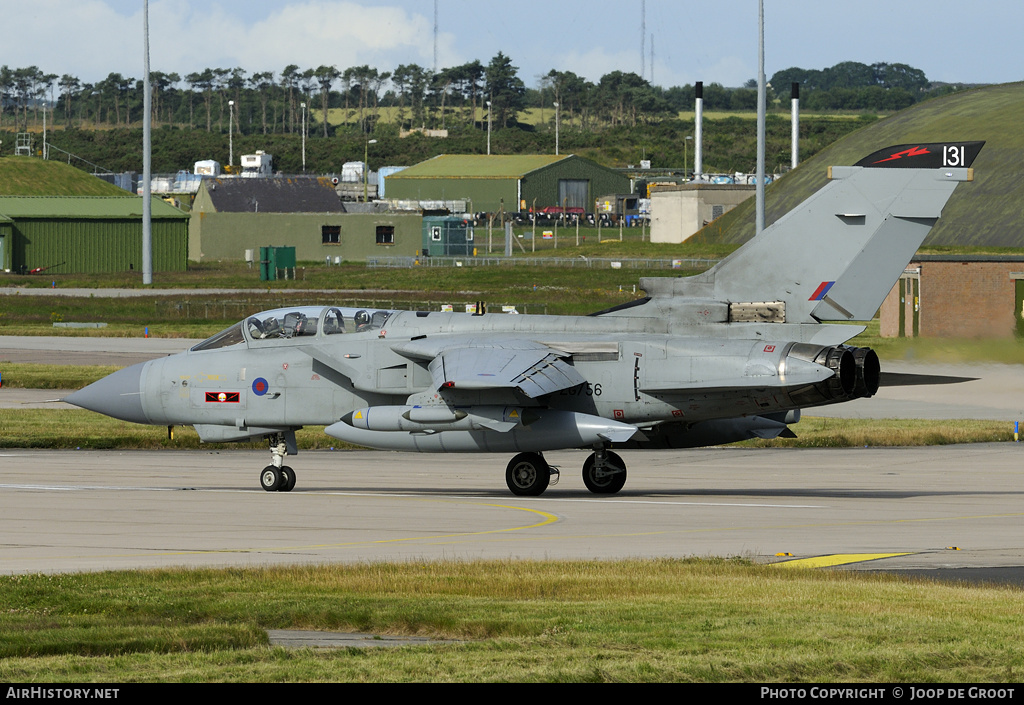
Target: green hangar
(88, 234)
(516, 183)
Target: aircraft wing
(480, 364)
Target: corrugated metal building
(88, 234)
(515, 182)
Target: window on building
(435, 233)
(330, 234)
(385, 234)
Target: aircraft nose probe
(118, 395)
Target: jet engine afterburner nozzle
(869, 372)
(856, 373)
(842, 363)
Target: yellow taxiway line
(835, 559)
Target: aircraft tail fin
(837, 255)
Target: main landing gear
(604, 472)
(278, 477)
(528, 474)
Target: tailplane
(837, 255)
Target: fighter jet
(734, 353)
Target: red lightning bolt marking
(912, 152)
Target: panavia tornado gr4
(731, 354)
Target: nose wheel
(278, 477)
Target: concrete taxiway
(936, 509)
(891, 509)
(84, 350)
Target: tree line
(850, 85)
(452, 98)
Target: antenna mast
(643, 36)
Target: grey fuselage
(637, 369)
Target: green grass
(536, 289)
(631, 621)
(74, 428)
(28, 176)
(546, 116)
(982, 213)
(1008, 351)
(820, 432)
(77, 428)
(30, 375)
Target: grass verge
(77, 428)
(820, 432)
(31, 375)
(1008, 351)
(654, 621)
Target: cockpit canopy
(293, 322)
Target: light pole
(147, 154)
(303, 105)
(556, 129)
(231, 132)
(688, 138)
(488, 127)
(366, 169)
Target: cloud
(81, 39)
(597, 62)
(91, 38)
(342, 34)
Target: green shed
(445, 235)
(513, 182)
(89, 234)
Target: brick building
(956, 296)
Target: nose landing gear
(278, 477)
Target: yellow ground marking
(835, 559)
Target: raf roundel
(260, 386)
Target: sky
(693, 40)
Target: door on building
(572, 193)
(1018, 309)
(910, 306)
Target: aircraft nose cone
(118, 395)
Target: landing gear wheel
(608, 479)
(528, 475)
(271, 479)
(287, 479)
